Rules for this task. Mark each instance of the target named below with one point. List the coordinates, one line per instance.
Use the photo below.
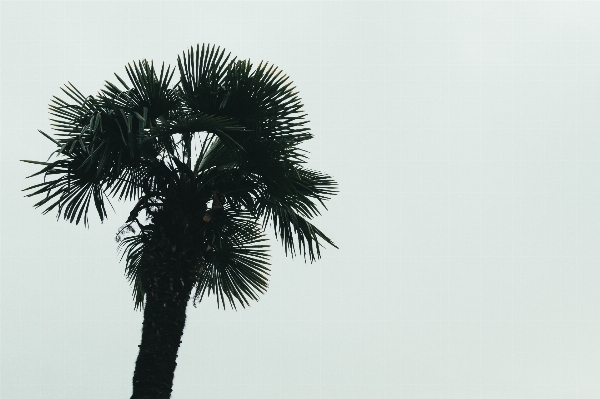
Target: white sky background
(465, 138)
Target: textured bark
(164, 320)
(174, 250)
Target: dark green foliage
(211, 160)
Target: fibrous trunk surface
(164, 320)
(172, 259)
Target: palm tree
(210, 162)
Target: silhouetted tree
(210, 162)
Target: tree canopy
(214, 156)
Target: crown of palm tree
(212, 159)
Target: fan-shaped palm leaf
(236, 261)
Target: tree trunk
(164, 320)
(174, 251)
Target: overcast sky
(465, 137)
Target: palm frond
(236, 262)
(132, 249)
(294, 230)
(223, 127)
(70, 189)
(266, 101)
(148, 90)
(201, 78)
(72, 118)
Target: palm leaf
(148, 91)
(291, 228)
(201, 78)
(132, 249)
(236, 262)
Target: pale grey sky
(465, 138)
